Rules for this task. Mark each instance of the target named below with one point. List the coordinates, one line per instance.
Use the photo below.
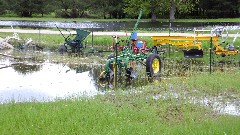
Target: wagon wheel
(107, 79)
(62, 49)
(102, 80)
(153, 65)
(224, 36)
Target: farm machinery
(74, 45)
(128, 54)
(192, 45)
(134, 51)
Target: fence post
(210, 63)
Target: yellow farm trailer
(192, 45)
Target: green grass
(130, 112)
(210, 20)
(54, 41)
(170, 106)
(163, 107)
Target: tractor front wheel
(153, 65)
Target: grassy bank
(159, 108)
(52, 41)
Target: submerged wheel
(153, 65)
(62, 49)
(103, 75)
(102, 79)
(110, 56)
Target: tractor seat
(141, 44)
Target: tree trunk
(172, 10)
(26, 14)
(153, 14)
(154, 17)
(74, 13)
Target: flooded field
(47, 76)
(34, 77)
(23, 81)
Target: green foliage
(25, 8)
(219, 8)
(123, 8)
(159, 7)
(3, 7)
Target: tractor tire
(62, 49)
(110, 56)
(153, 65)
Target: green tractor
(132, 53)
(128, 54)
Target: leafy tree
(108, 8)
(116, 9)
(160, 7)
(72, 8)
(223, 8)
(100, 7)
(124, 8)
(82, 6)
(43, 7)
(219, 8)
(3, 5)
(25, 8)
(132, 7)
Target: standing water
(43, 81)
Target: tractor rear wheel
(153, 65)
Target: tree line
(118, 9)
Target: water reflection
(120, 25)
(41, 80)
(26, 68)
(46, 83)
